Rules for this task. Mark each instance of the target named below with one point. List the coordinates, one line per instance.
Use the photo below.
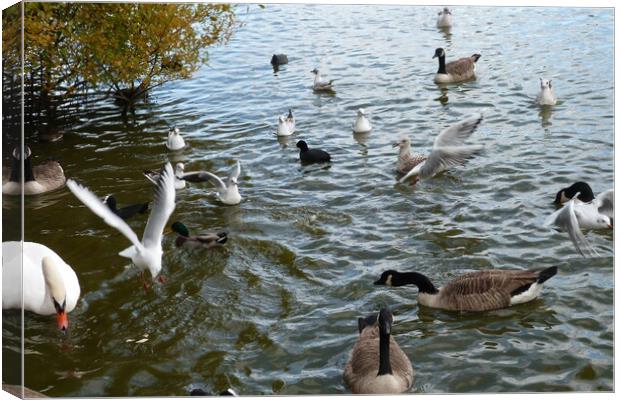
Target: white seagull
(50, 285)
(145, 254)
(175, 140)
(286, 125)
(361, 125)
(321, 84)
(577, 215)
(546, 96)
(444, 18)
(448, 149)
(228, 192)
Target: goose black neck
(442, 64)
(385, 368)
(28, 175)
(414, 278)
(16, 167)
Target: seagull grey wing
(566, 219)
(163, 206)
(216, 181)
(444, 157)
(93, 202)
(456, 134)
(235, 171)
(152, 176)
(605, 203)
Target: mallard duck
(448, 150)
(39, 179)
(145, 254)
(474, 291)
(207, 240)
(50, 284)
(460, 70)
(377, 364)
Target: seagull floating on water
(596, 213)
(145, 254)
(227, 192)
(321, 84)
(286, 125)
(361, 125)
(546, 96)
(444, 18)
(175, 140)
(448, 150)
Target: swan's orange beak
(63, 321)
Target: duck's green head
(179, 228)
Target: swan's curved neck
(385, 368)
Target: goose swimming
(321, 84)
(39, 179)
(460, 70)
(145, 254)
(361, 125)
(448, 150)
(444, 18)
(175, 140)
(286, 125)
(50, 284)
(127, 211)
(486, 290)
(377, 364)
(227, 192)
(546, 96)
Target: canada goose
(474, 291)
(38, 179)
(361, 125)
(546, 96)
(460, 70)
(127, 211)
(448, 150)
(207, 240)
(226, 192)
(286, 125)
(406, 160)
(175, 140)
(50, 284)
(321, 84)
(444, 18)
(576, 215)
(179, 176)
(308, 156)
(145, 254)
(377, 364)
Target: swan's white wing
(566, 219)
(605, 203)
(444, 157)
(91, 201)
(216, 181)
(163, 206)
(456, 134)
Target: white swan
(145, 254)
(546, 96)
(362, 125)
(286, 125)
(50, 285)
(175, 140)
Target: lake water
(276, 310)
